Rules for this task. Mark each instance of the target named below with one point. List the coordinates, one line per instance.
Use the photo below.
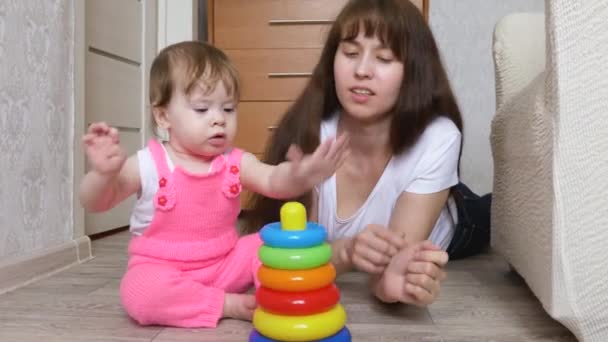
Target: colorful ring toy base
(295, 258)
(298, 303)
(297, 280)
(274, 236)
(342, 336)
(299, 328)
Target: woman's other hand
(414, 275)
(373, 248)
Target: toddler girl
(187, 265)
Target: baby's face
(203, 122)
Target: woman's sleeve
(437, 169)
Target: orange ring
(297, 280)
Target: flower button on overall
(231, 185)
(165, 196)
(234, 189)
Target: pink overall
(190, 255)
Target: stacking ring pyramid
(297, 299)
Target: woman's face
(368, 77)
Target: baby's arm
(299, 174)
(99, 192)
(112, 177)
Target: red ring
(298, 303)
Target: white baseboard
(22, 271)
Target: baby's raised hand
(322, 163)
(102, 146)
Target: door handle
(299, 21)
(289, 74)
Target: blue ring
(341, 336)
(274, 236)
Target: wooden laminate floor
(481, 301)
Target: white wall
(463, 30)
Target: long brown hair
(425, 92)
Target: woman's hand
(373, 248)
(414, 275)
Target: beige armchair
(550, 148)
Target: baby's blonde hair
(184, 65)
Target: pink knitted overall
(190, 255)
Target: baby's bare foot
(239, 306)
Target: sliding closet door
(121, 42)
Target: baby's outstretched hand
(102, 146)
(322, 163)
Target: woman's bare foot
(239, 306)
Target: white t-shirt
(431, 165)
(143, 211)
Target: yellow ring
(299, 328)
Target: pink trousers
(188, 294)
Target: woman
(381, 81)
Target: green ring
(295, 258)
